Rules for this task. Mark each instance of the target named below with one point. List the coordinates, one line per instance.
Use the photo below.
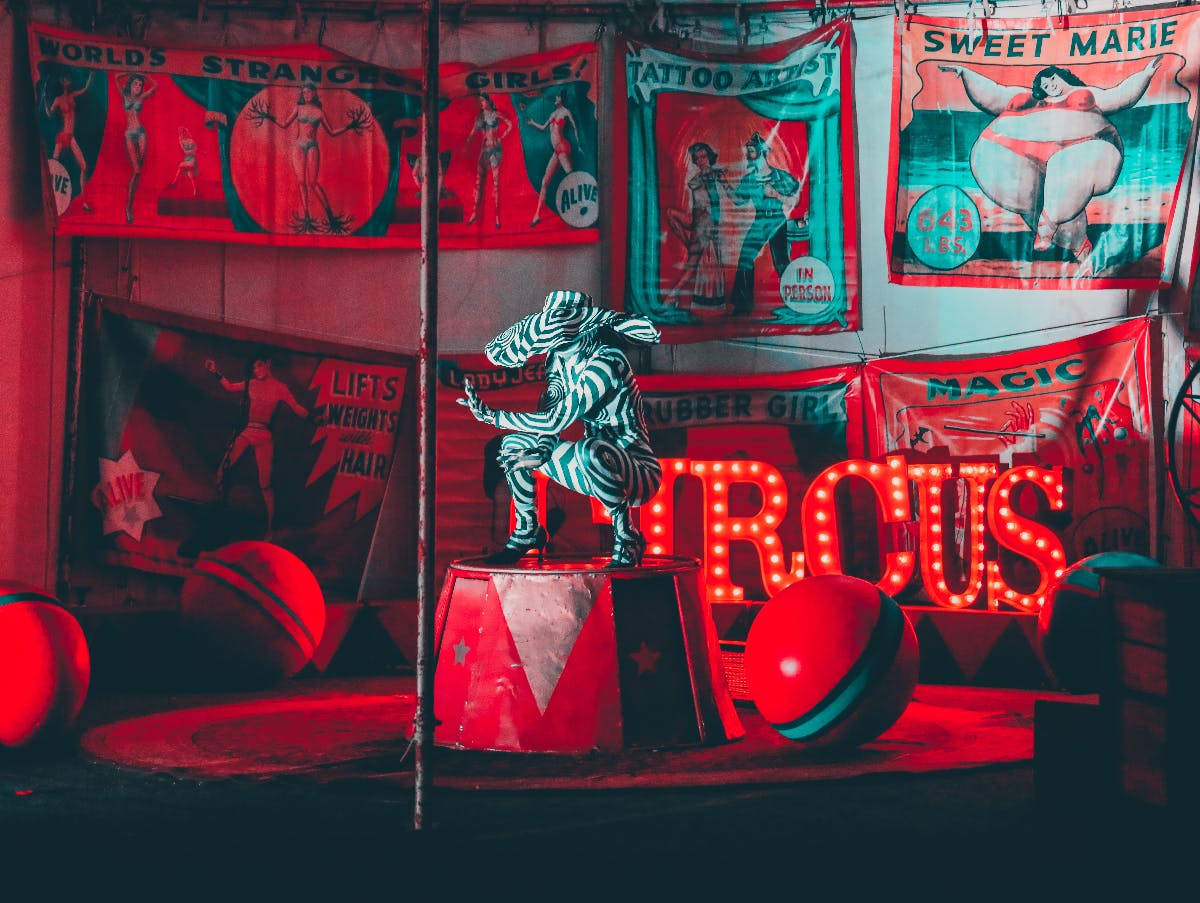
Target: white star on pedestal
(460, 651)
(125, 496)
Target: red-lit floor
(966, 833)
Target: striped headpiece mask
(564, 318)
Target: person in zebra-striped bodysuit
(589, 381)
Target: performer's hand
(210, 365)
(358, 120)
(259, 112)
(1019, 419)
(479, 410)
(957, 70)
(1155, 62)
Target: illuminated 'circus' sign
(985, 516)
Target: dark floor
(965, 834)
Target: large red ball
(253, 612)
(831, 661)
(45, 667)
(1069, 631)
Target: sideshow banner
(191, 440)
(302, 146)
(519, 149)
(1045, 153)
(739, 180)
(798, 423)
(1081, 404)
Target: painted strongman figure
(263, 392)
(587, 380)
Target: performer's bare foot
(535, 221)
(1083, 254)
(470, 219)
(337, 223)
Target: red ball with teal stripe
(45, 667)
(1069, 629)
(253, 612)
(831, 661)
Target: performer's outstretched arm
(596, 380)
(982, 91)
(1129, 91)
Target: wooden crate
(1150, 685)
(1071, 758)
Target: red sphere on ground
(253, 612)
(1069, 630)
(831, 661)
(45, 667)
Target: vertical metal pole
(426, 392)
(78, 320)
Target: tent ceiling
(99, 11)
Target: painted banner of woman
(1037, 154)
(1051, 148)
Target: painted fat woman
(1051, 149)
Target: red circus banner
(192, 439)
(303, 146)
(519, 150)
(739, 187)
(1081, 404)
(1042, 153)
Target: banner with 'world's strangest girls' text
(300, 145)
(1041, 153)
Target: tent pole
(78, 321)
(426, 407)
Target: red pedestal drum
(570, 657)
